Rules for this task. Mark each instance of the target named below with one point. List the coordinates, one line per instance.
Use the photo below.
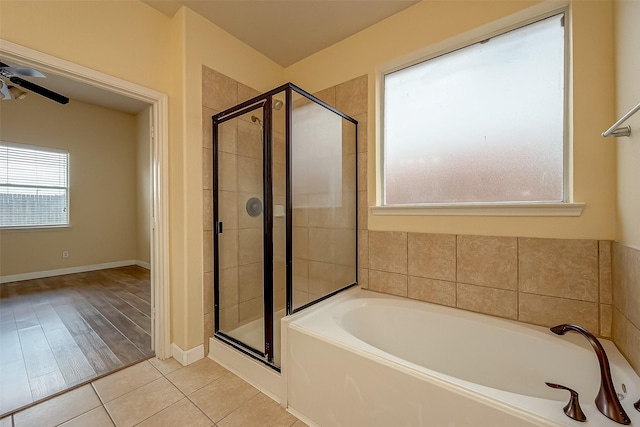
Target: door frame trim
(159, 133)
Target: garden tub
(367, 359)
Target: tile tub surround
(159, 393)
(626, 302)
(533, 280)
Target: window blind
(34, 186)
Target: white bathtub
(366, 359)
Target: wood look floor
(58, 332)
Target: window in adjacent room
(34, 186)
(483, 123)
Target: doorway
(158, 221)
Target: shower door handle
(219, 227)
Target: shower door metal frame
(267, 196)
(290, 88)
(265, 102)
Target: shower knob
(573, 409)
(637, 405)
(254, 207)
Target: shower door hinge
(219, 227)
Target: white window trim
(67, 188)
(3, 230)
(483, 209)
(566, 208)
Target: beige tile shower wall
(538, 281)
(626, 302)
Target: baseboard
(187, 357)
(143, 264)
(63, 271)
(301, 417)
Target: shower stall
(284, 212)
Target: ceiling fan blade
(24, 71)
(40, 90)
(4, 90)
(20, 71)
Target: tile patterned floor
(159, 393)
(61, 331)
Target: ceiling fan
(14, 75)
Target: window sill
(483, 209)
(35, 228)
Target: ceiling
(79, 91)
(284, 31)
(288, 31)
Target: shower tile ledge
(255, 373)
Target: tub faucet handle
(607, 400)
(637, 405)
(573, 409)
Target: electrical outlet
(65, 254)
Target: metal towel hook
(617, 131)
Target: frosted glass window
(484, 123)
(34, 189)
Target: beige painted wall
(143, 186)
(51, 28)
(167, 54)
(102, 206)
(164, 54)
(627, 38)
(626, 254)
(426, 27)
(125, 39)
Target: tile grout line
(599, 273)
(456, 269)
(518, 278)
(187, 395)
(198, 389)
(243, 404)
(103, 404)
(198, 408)
(214, 424)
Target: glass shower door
(284, 211)
(239, 229)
